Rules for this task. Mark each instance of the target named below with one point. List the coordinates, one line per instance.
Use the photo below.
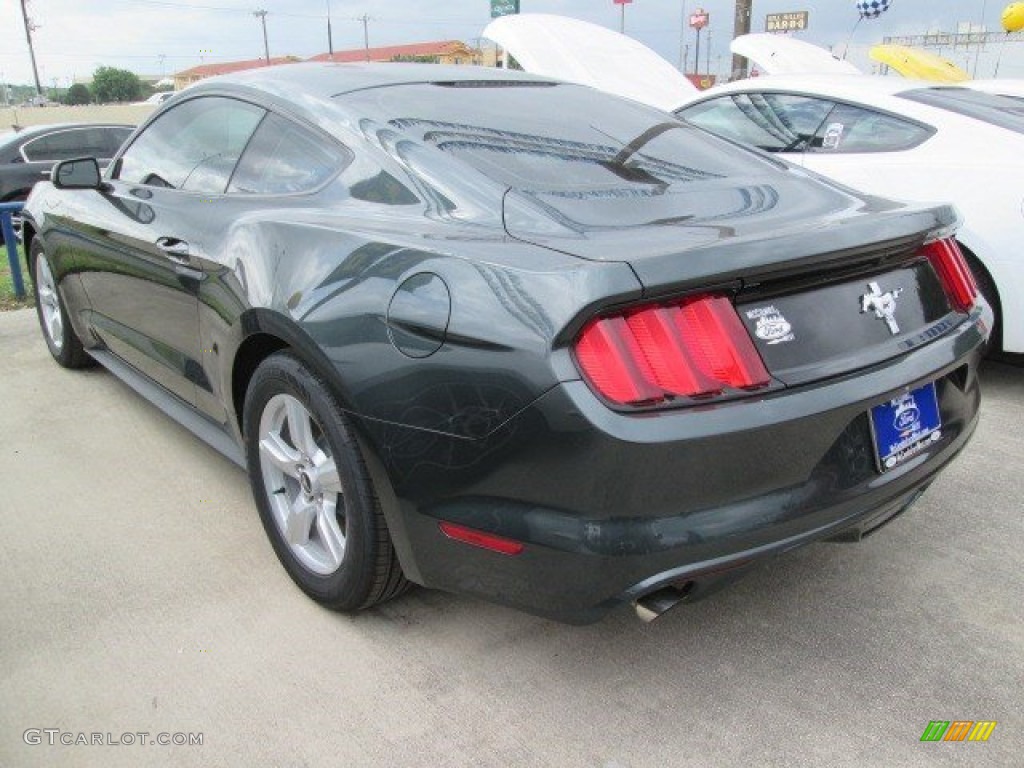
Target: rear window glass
(988, 107)
(561, 139)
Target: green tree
(78, 94)
(111, 84)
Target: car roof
(849, 86)
(325, 80)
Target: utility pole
(262, 16)
(741, 26)
(708, 70)
(696, 58)
(29, 27)
(330, 38)
(366, 34)
(682, 42)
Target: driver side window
(194, 146)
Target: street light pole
(262, 16)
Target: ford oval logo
(772, 328)
(907, 418)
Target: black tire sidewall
(347, 588)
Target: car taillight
(693, 347)
(951, 267)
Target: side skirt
(207, 431)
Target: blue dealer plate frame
(904, 426)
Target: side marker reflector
(480, 539)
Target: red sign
(622, 2)
(699, 19)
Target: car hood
(719, 229)
(583, 53)
(782, 55)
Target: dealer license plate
(905, 426)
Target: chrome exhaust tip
(657, 603)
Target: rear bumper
(612, 507)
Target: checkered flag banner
(872, 9)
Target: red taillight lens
(480, 539)
(951, 266)
(695, 347)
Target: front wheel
(61, 339)
(313, 491)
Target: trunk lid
(824, 281)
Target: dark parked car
(510, 337)
(27, 156)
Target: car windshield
(990, 108)
(546, 138)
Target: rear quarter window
(283, 158)
(849, 129)
(773, 122)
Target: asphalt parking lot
(139, 595)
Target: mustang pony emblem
(883, 304)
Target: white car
(884, 135)
(1012, 88)
(158, 98)
(903, 139)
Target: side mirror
(80, 173)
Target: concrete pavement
(139, 594)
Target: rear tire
(991, 295)
(314, 494)
(61, 339)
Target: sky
(74, 37)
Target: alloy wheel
(301, 481)
(49, 303)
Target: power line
(228, 9)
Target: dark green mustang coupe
(510, 337)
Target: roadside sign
(622, 2)
(504, 8)
(795, 21)
(699, 19)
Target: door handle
(175, 249)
